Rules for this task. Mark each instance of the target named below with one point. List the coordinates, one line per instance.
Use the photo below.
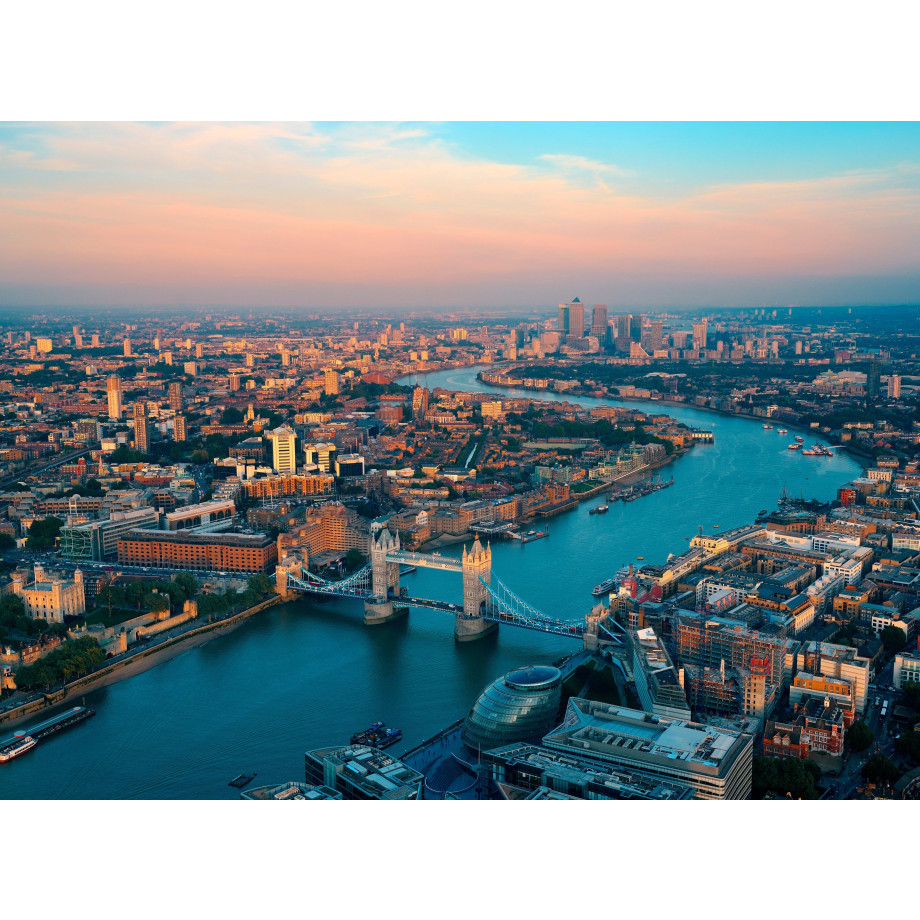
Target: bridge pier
(378, 610)
(468, 629)
(477, 567)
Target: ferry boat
(377, 736)
(16, 747)
(605, 587)
(600, 509)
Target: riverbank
(136, 663)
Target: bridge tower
(384, 575)
(477, 563)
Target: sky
(458, 215)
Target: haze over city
(458, 215)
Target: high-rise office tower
(656, 334)
(700, 334)
(113, 388)
(141, 434)
(894, 386)
(874, 377)
(564, 319)
(622, 323)
(635, 328)
(599, 322)
(284, 457)
(175, 396)
(180, 433)
(576, 319)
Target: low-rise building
(360, 772)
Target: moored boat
(377, 736)
(16, 747)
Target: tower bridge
(487, 601)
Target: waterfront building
(288, 485)
(572, 319)
(292, 792)
(521, 769)
(716, 763)
(211, 552)
(284, 455)
(360, 772)
(50, 599)
(113, 391)
(521, 706)
(96, 541)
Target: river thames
(306, 675)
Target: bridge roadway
(427, 561)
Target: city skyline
(458, 215)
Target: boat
(244, 779)
(377, 736)
(768, 427)
(799, 438)
(715, 526)
(600, 509)
(640, 558)
(794, 446)
(16, 747)
(533, 535)
(782, 431)
(605, 587)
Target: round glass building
(521, 706)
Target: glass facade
(521, 706)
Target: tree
(7, 542)
(261, 584)
(354, 559)
(893, 638)
(782, 775)
(878, 768)
(112, 596)
(188, 583)
(859, 736)
(155, 602)
(232, 416)
(43, 533)
(135, 594)
(909, 745)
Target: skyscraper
(635, 328)
(330, 382)
(284, 457)
(576, 319)
(622, 325)
(894, 386)
(564, 319)
(873, 377)
(599, 322)
(127, 348)
(234, 383)
(113, 388)
(180, 433)
(700, 334)
(175, 396)
(141, 440)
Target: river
(306, 675)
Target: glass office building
(521, 706)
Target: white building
(51, 600)
(284, 456)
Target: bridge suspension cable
(508, 607)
